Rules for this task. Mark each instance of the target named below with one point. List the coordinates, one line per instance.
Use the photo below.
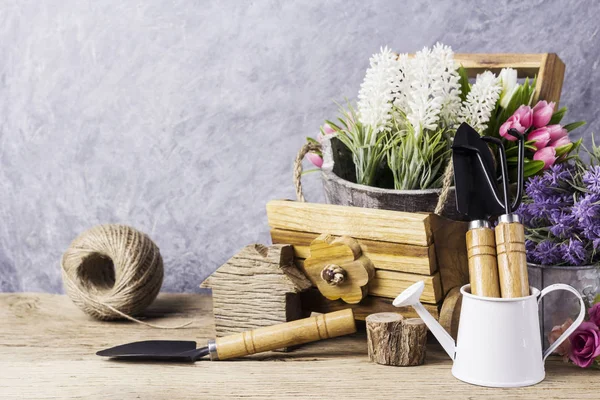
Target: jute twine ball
(112, 271)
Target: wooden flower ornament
(338, 268)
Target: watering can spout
(410, 297)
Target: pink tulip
(521, 120)
(316, 159)
(556, 132)
(585, 344)
(328, 129)
(542, 113)
(525, 114)
(547, 155)
(563, 141)
(541, 136)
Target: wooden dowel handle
(512, 260)
(274, 337)
(483, 267)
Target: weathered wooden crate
(403, 247)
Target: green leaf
(532, 167)
(558, 116)
(465, 87)
(311, 140)
(564, 149)
(574, 125)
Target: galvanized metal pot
(557, 307)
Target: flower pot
(556, 308)
(339, 183)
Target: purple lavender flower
(537, 188)
(558, 175)
(574, 252)
(563, 223)
(547, 253)
(587, 210)
(591, 178)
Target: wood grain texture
(483, 265)
(384, 335)
(413, 342)
(512, 260)
(257, 287)
(450, 312)
(451, 251)
(305, 330)
(390, 283)
(312, 300)
(383, 255)
(345, 254)
(547, 67)
(47, 351)
(550, 79)
(357, 222)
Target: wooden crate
(403, 247)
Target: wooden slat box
(403, 247)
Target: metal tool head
(474, 175)
(156, 350)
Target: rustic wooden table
(47, 351)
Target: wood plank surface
(47, 351)
(314, 301)
(383, 255)
(357, 222)
(390, 283)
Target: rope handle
(309, 147)
(306, 148)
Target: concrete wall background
(182, 118)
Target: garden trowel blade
(474, 175)
(158, 350)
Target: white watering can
(499, 342)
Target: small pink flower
(316, 159)
(541, 136)
(521, 120)
(556, 132)
(585, 344)
(547, 155)
(328, 129)
(542, 113)
(525, 114)
(565, 347)
(594, 314)
(560, 142)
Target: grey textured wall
(182, 118)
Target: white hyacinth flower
(377, 90)
(481, 101)
(508, 77)
(429, 89)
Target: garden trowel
(477, 198)
(274, 337)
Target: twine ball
(112, 271)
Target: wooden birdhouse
(259, 286)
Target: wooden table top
(47, 351)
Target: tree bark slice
(414, 342)
(384, 332)
(393, 340)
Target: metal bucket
(557, 307)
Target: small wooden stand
(393, 340)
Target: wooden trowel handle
(274, 337)
(512, 260)
(483, 267)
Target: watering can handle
(575, 325)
